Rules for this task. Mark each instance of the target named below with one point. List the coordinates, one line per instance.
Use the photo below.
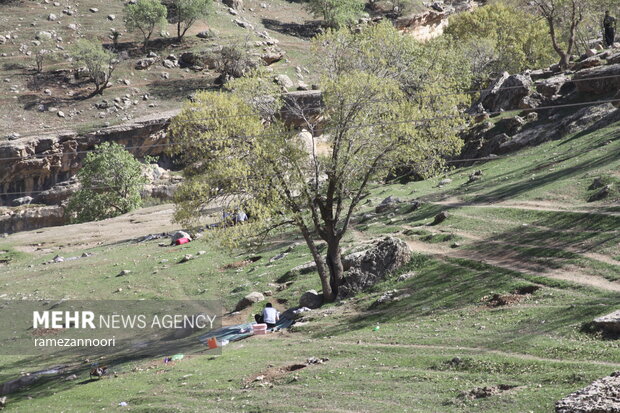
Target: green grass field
(526, 223)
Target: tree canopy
(145, 16)
(188, 12)
(111, 180)
(99, 62)
(336, 13)
(381, 110)
(494, 48)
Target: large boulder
(551, 86)
(311, 299)
(374, 265)
(602, 396)
(598, 80)
(609, 323)
(248, 300)
(506, 92)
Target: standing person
(270, 316)
(609, 29)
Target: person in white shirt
(270, 316)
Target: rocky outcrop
(432, 23)
(424, 26)
(31, 164)
(38, 163)
(506, 92)
(609, 323)
(602, 396)
(374, 265)
(31, 217)
(600, 80)
(552, 104)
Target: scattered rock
(25, 200)
(445, 181)
(601, 194)
(316, 360)
(506, 92)
(487, 391)
(602, 396)
(60, 114)
(278, 257)
(186, 258)
(441, 217)
(284, 81)
(311, 299)
(93, 10)
(169, 64)
(248, 300)
(123, 273)
(405, 277)
(145, 63)
(71, 377)
(235, 4)
(244, 24)
(52, 17)
(388, 203)
(2, 402)
(111, 17)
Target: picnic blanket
(240, 331)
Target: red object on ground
(212, 343)
(181, 241)
(259, 329)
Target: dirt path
(478, 350)
(511, 263)
(456, 202)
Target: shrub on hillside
(111, 180)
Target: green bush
(499, 38)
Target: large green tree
(145, 16)
(111, 180)
(336, 13)
(381, 111)
(188, 12)
(501, 37)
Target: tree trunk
(179, 34)
(324, 273)
(334, 264)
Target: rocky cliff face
(546, 104)
(38, 163)
(432, 23)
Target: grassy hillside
(526, 226)
(25, 91)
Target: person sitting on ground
(270, 316)
(240, 217)
(609, 29)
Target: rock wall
(548, 104)
(37, 163)
(432, 23)
(27, 218)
